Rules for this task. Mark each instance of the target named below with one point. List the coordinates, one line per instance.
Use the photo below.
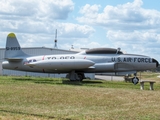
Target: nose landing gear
(135, 80)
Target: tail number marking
(13, 48)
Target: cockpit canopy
(103, 51)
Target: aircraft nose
(155, 61)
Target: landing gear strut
(135, 79)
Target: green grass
(150, 76)
(39, 98)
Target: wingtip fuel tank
(62, 64)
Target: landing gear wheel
(80, 77)
(135, 80)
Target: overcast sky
(132, 25)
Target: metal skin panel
(50, 64)
(89, 61)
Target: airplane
(95, 60)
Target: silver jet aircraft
(98, 60)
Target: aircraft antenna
(72, 47)
(55, 41)
(118, 49)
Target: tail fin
(13, 49)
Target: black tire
(80, 77)
(135, 80)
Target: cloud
(57, 9)
(35, 21)
(136, 42)
(141, 36)
(83, 43)
(76, 31)
(33, 16)
(129, 26)
(67, 33)
(90, 11)
(129, 16)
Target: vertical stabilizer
(13, 48)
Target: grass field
(31, 98)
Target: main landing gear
(135, 79)
(73, 76)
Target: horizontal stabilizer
(14, 59)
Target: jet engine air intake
(155, 61)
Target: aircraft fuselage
(82, 63)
